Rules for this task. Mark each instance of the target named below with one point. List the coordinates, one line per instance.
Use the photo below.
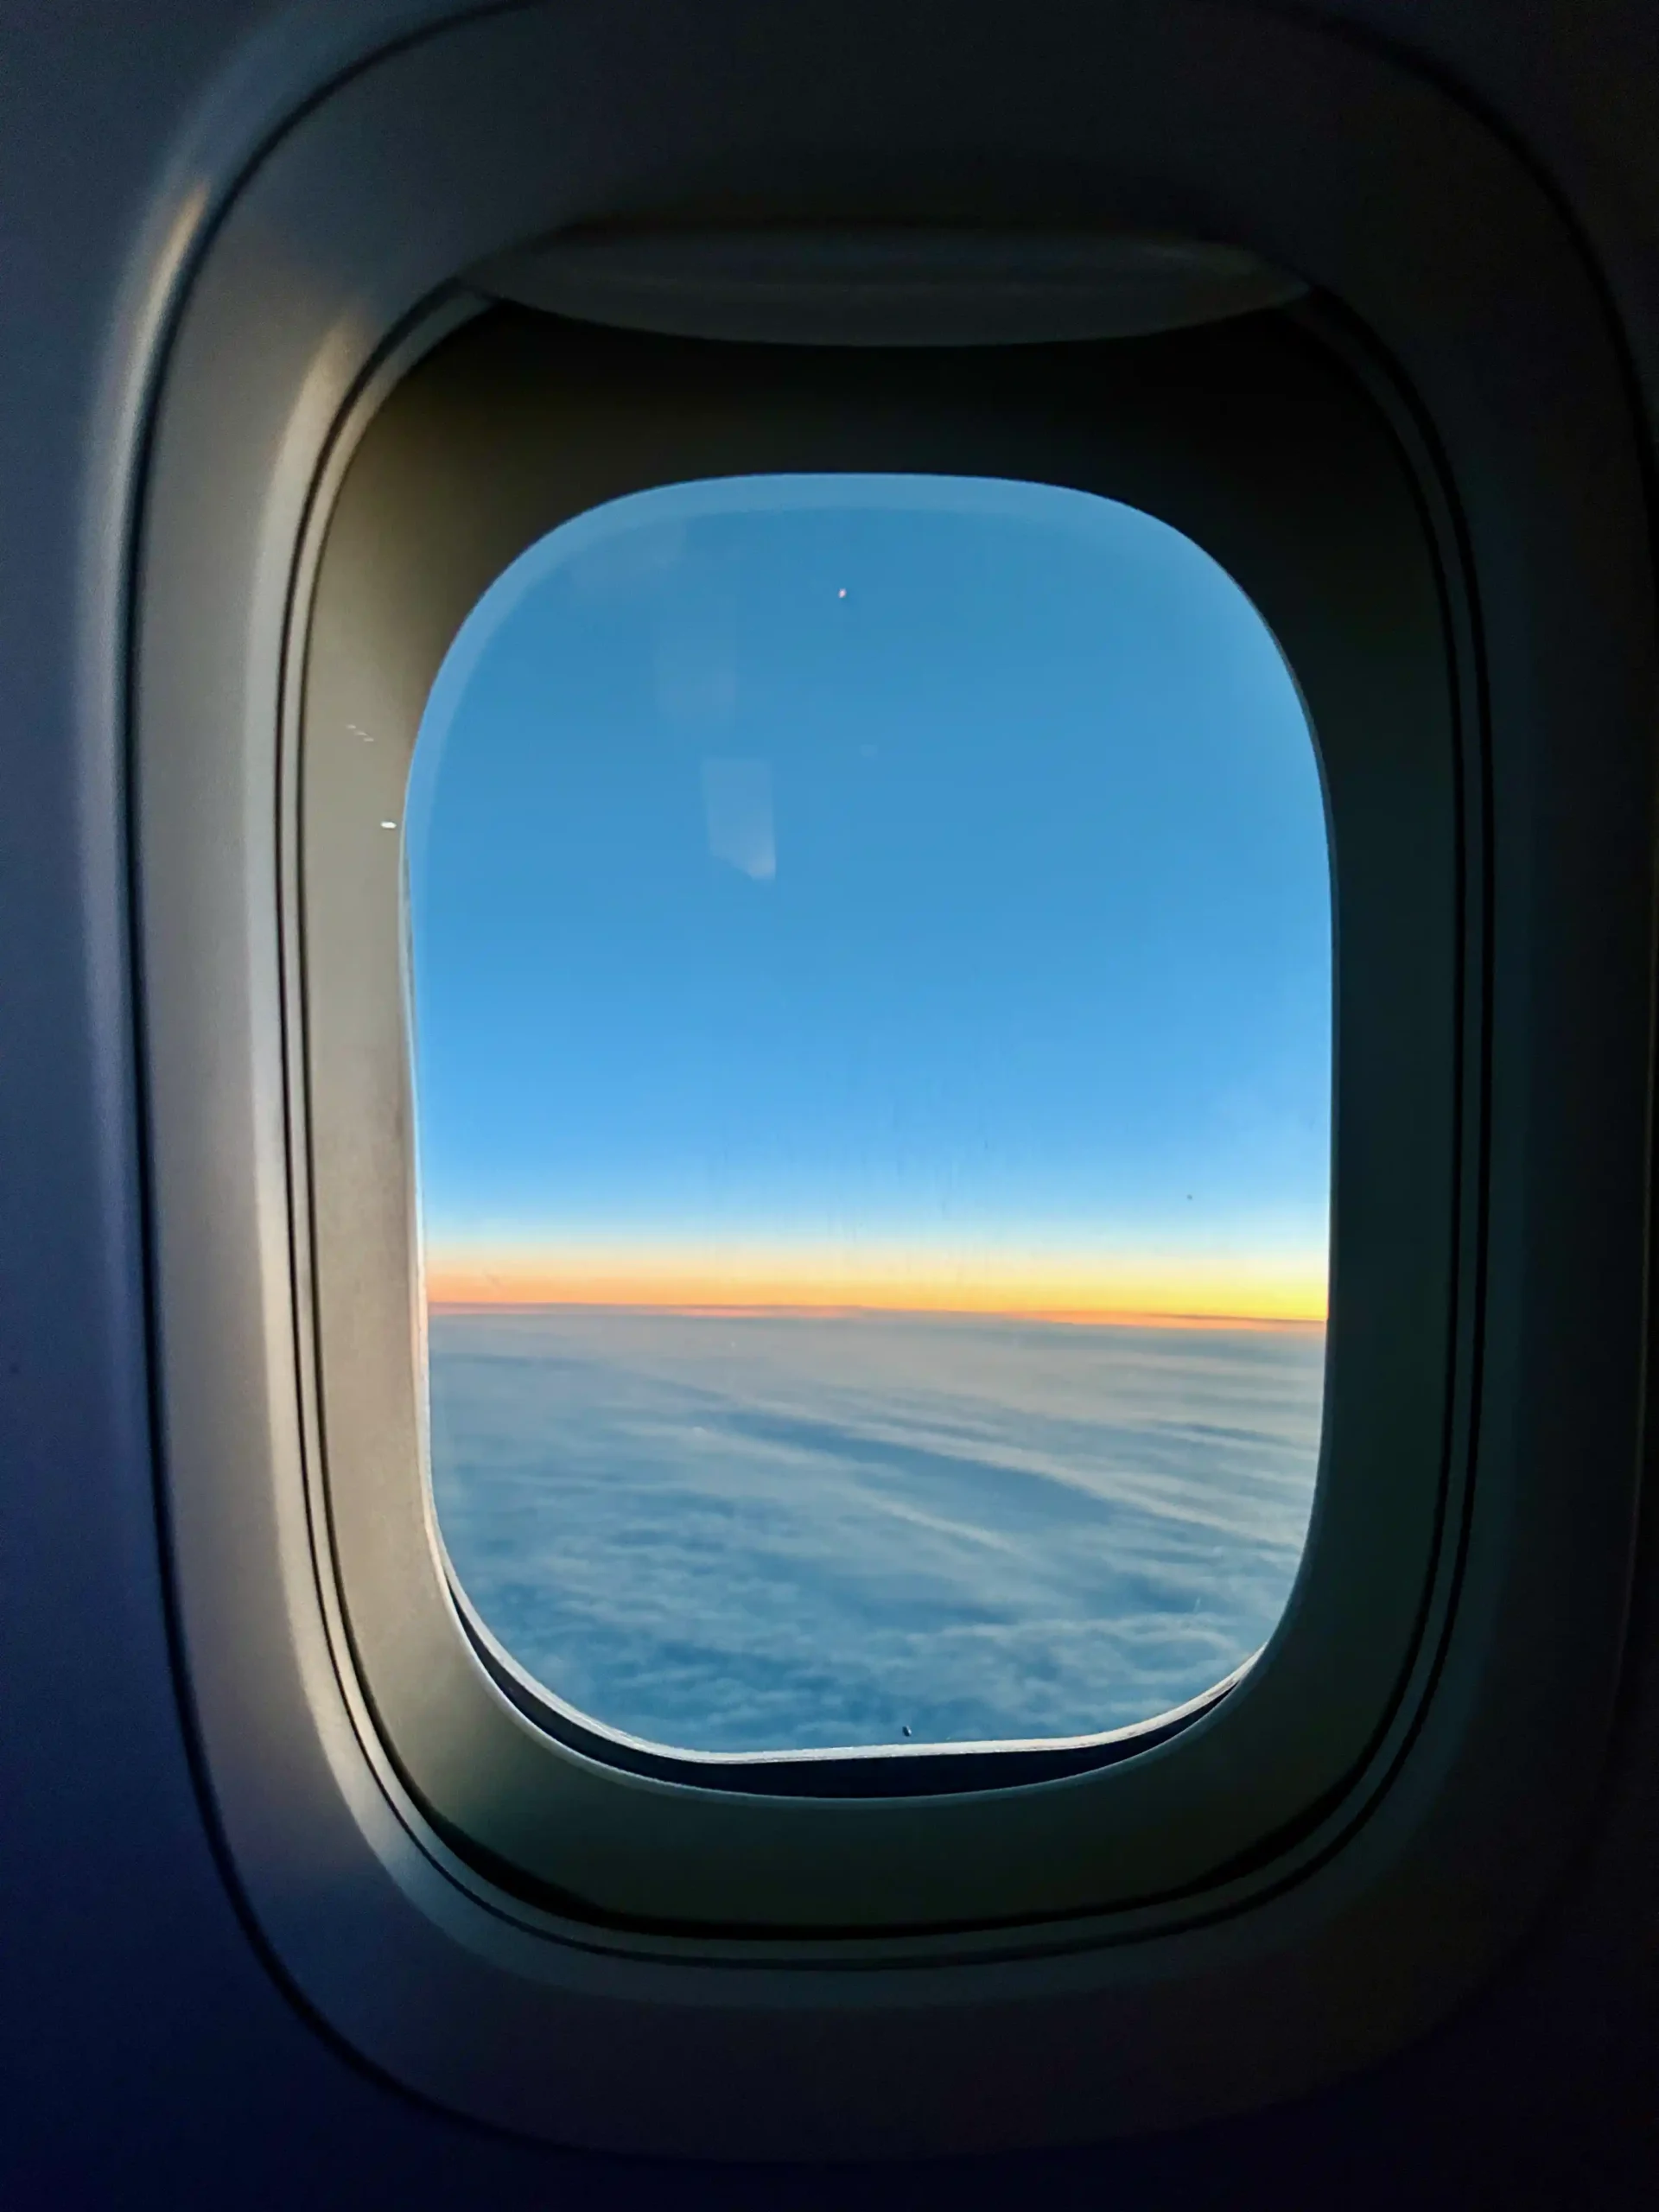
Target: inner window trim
(475, 1802)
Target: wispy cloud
(737, 804)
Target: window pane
(870, 944)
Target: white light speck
(388, 825)
(841, 594)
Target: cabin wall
(150, 2054)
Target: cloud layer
(754, 1533)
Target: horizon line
(440, 1301)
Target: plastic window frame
(298, 285)
(1258, 443)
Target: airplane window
(870, 966)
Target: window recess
(1249, 440)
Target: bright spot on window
(870, 944)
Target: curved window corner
(741, 933)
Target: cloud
(747, 1535)
(737, 802)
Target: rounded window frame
(304, 259)
(1262, 446)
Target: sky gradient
(891, 892)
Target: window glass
(870, 948)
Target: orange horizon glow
(1195, 1292)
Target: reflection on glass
(870, 944)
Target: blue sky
(899, 890)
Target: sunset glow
(1140, 1288)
